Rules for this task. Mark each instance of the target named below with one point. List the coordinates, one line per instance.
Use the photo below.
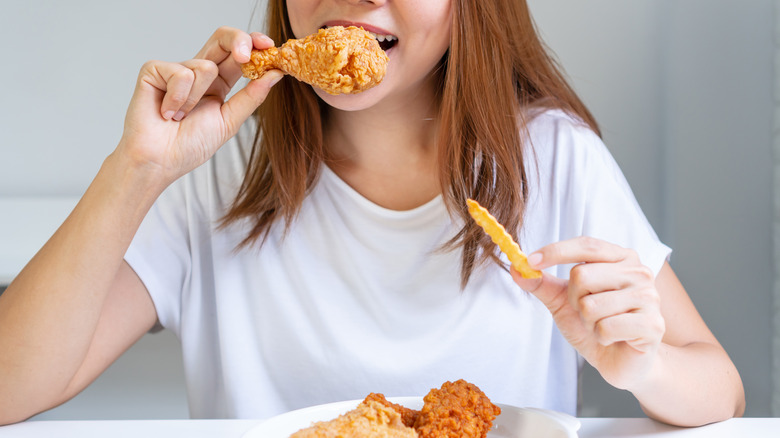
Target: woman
(331, 254)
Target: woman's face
(416, 34)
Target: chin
(352, 102)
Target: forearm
(49, 313)
(692, 385)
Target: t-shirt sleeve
(612, 212)
(159, 254)
(582, 191)
(171, 252)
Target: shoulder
(555, 131)
(563, 150)
(576, 188)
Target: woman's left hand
(609, 309)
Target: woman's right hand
(178, 116)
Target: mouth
(386, 41)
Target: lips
(386, 39)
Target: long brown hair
(495, 71)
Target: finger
(239, 107)
(596, 307)
(261, 41)
(579, 250)
(179, 88)
(227, 41)
(594, 278)
(172, 79)
(149, 78)
(224, 42)
(204, 72)
(230, 67)
(549, 289)
(638, 329)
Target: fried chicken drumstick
(337, 59)
(458, 410)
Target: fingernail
(274, 80)
(178, 116)
(168, 115)
(245, 50)
(266, 39)
(534, 259)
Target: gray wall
(682, 88)
(683, 92)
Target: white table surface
(591, 428)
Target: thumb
(239, 107)
(549, 289)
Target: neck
(387, 153)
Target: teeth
(382, 38)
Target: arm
(642, 333)
(691, 368)
(75, 285)
(77, 305)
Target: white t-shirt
(357, 299)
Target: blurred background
(683, 90)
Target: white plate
(513, 422)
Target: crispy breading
(337, 59)
(458, 410)
(369, 419)
(408, 416)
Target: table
(591, 428)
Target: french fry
(500, 237)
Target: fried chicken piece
(337, 60)
(408, 416)
(370, 419)
(458, 410)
